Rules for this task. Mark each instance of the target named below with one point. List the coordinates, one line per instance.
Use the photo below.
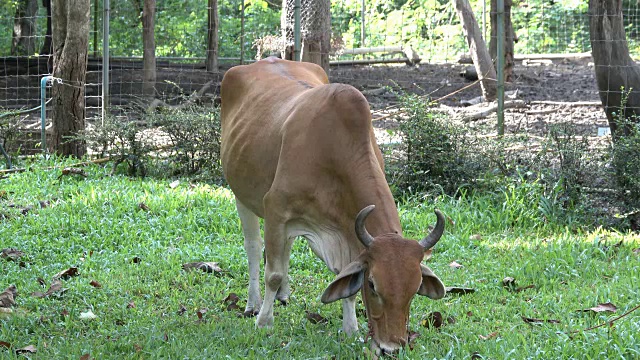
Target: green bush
(124, 139)
(194, 137)
(435, 154)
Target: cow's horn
(361, 231)
(430, 240)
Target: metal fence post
(105, 59)
(296, 31)
(500, 65)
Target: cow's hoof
(264, 322)
(250, 313)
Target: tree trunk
(509, 36)
(149, 46)
(315, 27)
(47, 47)
(616, 73)
(478, 48)
(212, 36)
(24, 28)
(70, 46)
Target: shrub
(435, 154)
(194, 136)
(124, 139)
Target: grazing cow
(301, 154)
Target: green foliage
(626, 159)
(194, 135)
(436, 152)
(123, 138)
(97, 224)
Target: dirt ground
(556, 82)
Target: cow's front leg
(277, 251)
(349, 319)
(253, 247)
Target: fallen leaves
(7, 297)
(5, 344)
(72, 171)
(208, 267)
(489, 336)
(56, 286)
(232, 303)
(87, 315)
(510, 283)
(27, 350)
(143, 206)
(455, 265)
(11, 254)
(67, 274)
(95, 284)
(436, 320)
(459, 290)
(539, 321)
(606, 307)
(315, 318)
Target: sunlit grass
(97, 224)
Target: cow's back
(257, 99)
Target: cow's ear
(431, 286)
(348, 282)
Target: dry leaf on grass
(88, 315)
(315, 318)
(143, 206)
(508, 281)
(539, 321)
(174, 184)
(27, 350)
(72, 171)
(433, 320)
(56, 286)
(8, 296)
(95, 284)
(11, 254)
(85, 357)
(475, 237)
(66, 274)
(208, 267)
(601, 308)
(182, 310)
(136, 260)
(490, 336)
(459, 290)
(5, 344)
(132, 305)
(454, 264)
(200, 313)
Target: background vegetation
(429, 26)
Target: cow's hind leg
(253, 247)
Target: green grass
(96, 224)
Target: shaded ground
(560, 81)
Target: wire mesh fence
(391, 32)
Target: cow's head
(389, 273)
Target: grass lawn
(131, 237)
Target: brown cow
(301, 154)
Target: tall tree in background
(212, 36)
(149, 46)
(24, 28)
(47, 46)
(70, 25)
(509, 37)
(315, 26)
(615, 70)
(478, 49)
